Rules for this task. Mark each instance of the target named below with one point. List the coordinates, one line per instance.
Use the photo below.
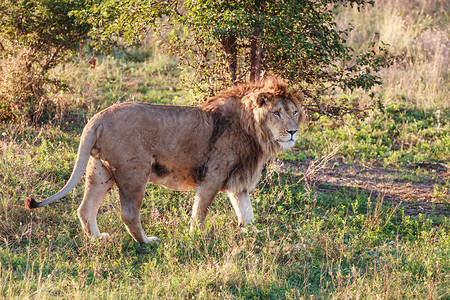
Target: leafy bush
(35, 36)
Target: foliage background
(219, 43)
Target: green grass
(334, 243)
(395, 136)
(331, 245)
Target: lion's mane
(255, 145)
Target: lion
(219, 146)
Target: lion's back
(169, 139)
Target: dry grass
(417, 34)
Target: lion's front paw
(250, 228)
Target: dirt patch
(419, 188)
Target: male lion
(221, 145)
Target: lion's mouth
(286, 143)
(287, 140)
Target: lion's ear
(303, 116)
(299, 96)
(263, 98)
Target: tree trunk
(255, 55)
(229, 45)
(255, 43)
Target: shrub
(35, 36)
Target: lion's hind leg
(131, 197)
(99, 182)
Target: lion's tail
(88, 139)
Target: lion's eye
(295, 113)
(277, 114)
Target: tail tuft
(30, 203)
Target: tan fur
(222, 145)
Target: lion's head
(268, 110)
(279, 117)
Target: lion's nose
(292, 132)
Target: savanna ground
(356, 210)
